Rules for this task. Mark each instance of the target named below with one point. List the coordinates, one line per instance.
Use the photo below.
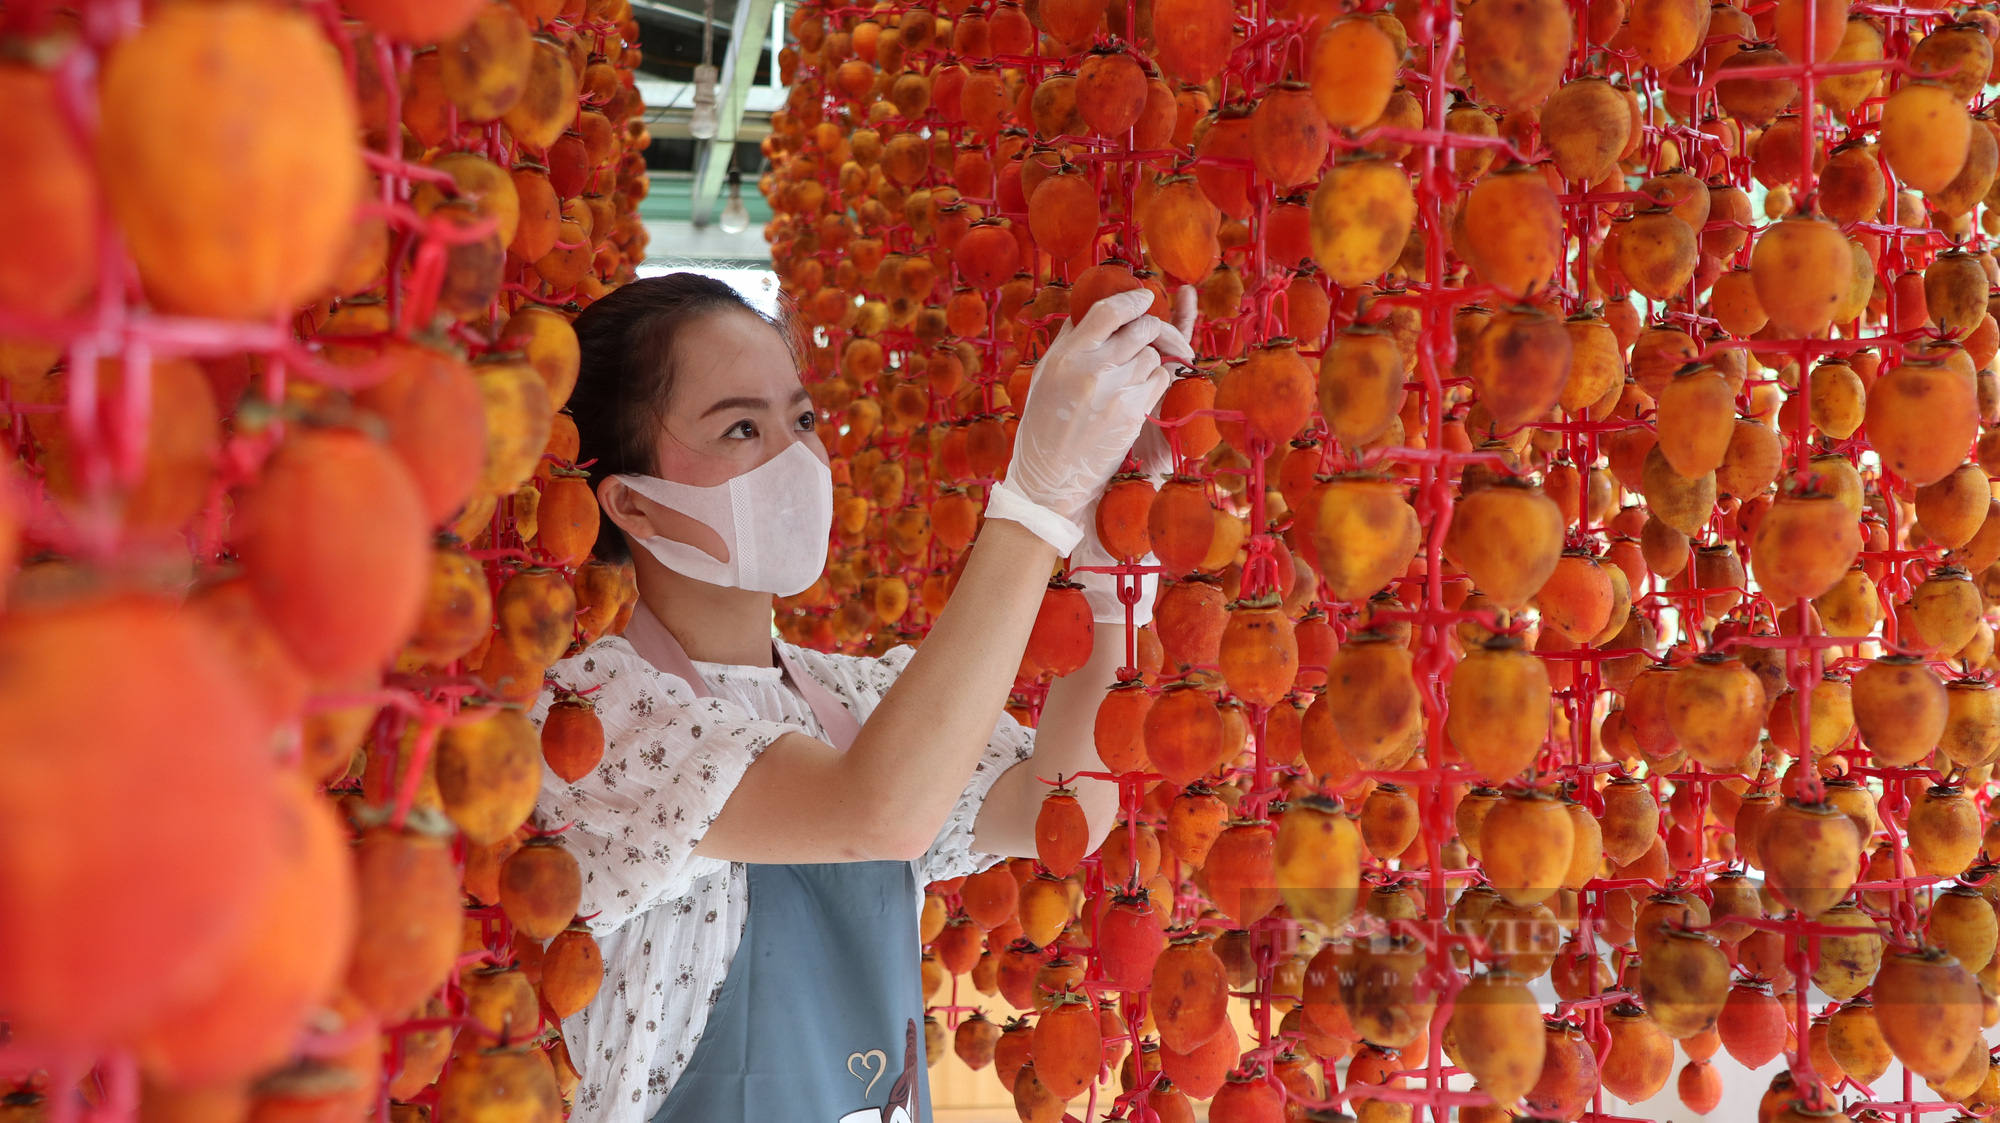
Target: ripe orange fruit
(49, 260)
(1498, 708)
(1515, 50)
(1508, 538)
(431, 403)
(1928, 1009)
(1275, 392)
(1497, 1027)
(1512, 227)
(408, 926)
(1353, 71)
(540, 887)
(283, 961)
(1241, 873)
(1061, 833)
(1519, 365)
(1362, 212)
(1190, 993)
(333, 540)
(1183, 733)
(1191, 38)
(229, 155)
(1289, 135)
(1685, 983)
(1372, 700)
(1259, 654)
(1641, 1057)
(1063, 634)
(1181, 227)
(1817, 860)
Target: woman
(755, 841)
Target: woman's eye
(807, 422)
(742, 431)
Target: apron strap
(656, 645)
(834, 720)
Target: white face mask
(774, 519)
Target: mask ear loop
(680, 506)
(747, 567)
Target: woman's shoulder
(854, 678)
(612, 660)
(618, 680)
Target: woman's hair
(629, 340)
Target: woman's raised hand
(1087, 404)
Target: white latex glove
(1156, 460)
(1087, 400)
(1155, 455)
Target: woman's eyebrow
(736, 403)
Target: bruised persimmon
(1519, 365)
(1273, 389)
(1364, 533)
(1362, 213)
(1190, 992)
(334, 540)
(1361, 383)
(1921, 417)
(1498, 712)
(1586, 124)
(1513, 227)
(1515, 50)
(1383, 987)
(231, 157)
(1814, 858)
(1927, 1009)
(1684, 983)
(1375, 706)
(1508, 538)
(1497, 1027)
(1181, 226)
(1353, 71)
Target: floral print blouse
(668, 920)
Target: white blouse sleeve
(952, 854)
(861, 683)
(670, 762)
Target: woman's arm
(888, 795)
(805, 801)
(1066, 735)
(1065, 744)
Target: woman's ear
(621, 504)
(641, 518)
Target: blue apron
(820, 1019)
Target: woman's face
(736, 402)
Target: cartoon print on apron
(817, 1019)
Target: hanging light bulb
(735, 216)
